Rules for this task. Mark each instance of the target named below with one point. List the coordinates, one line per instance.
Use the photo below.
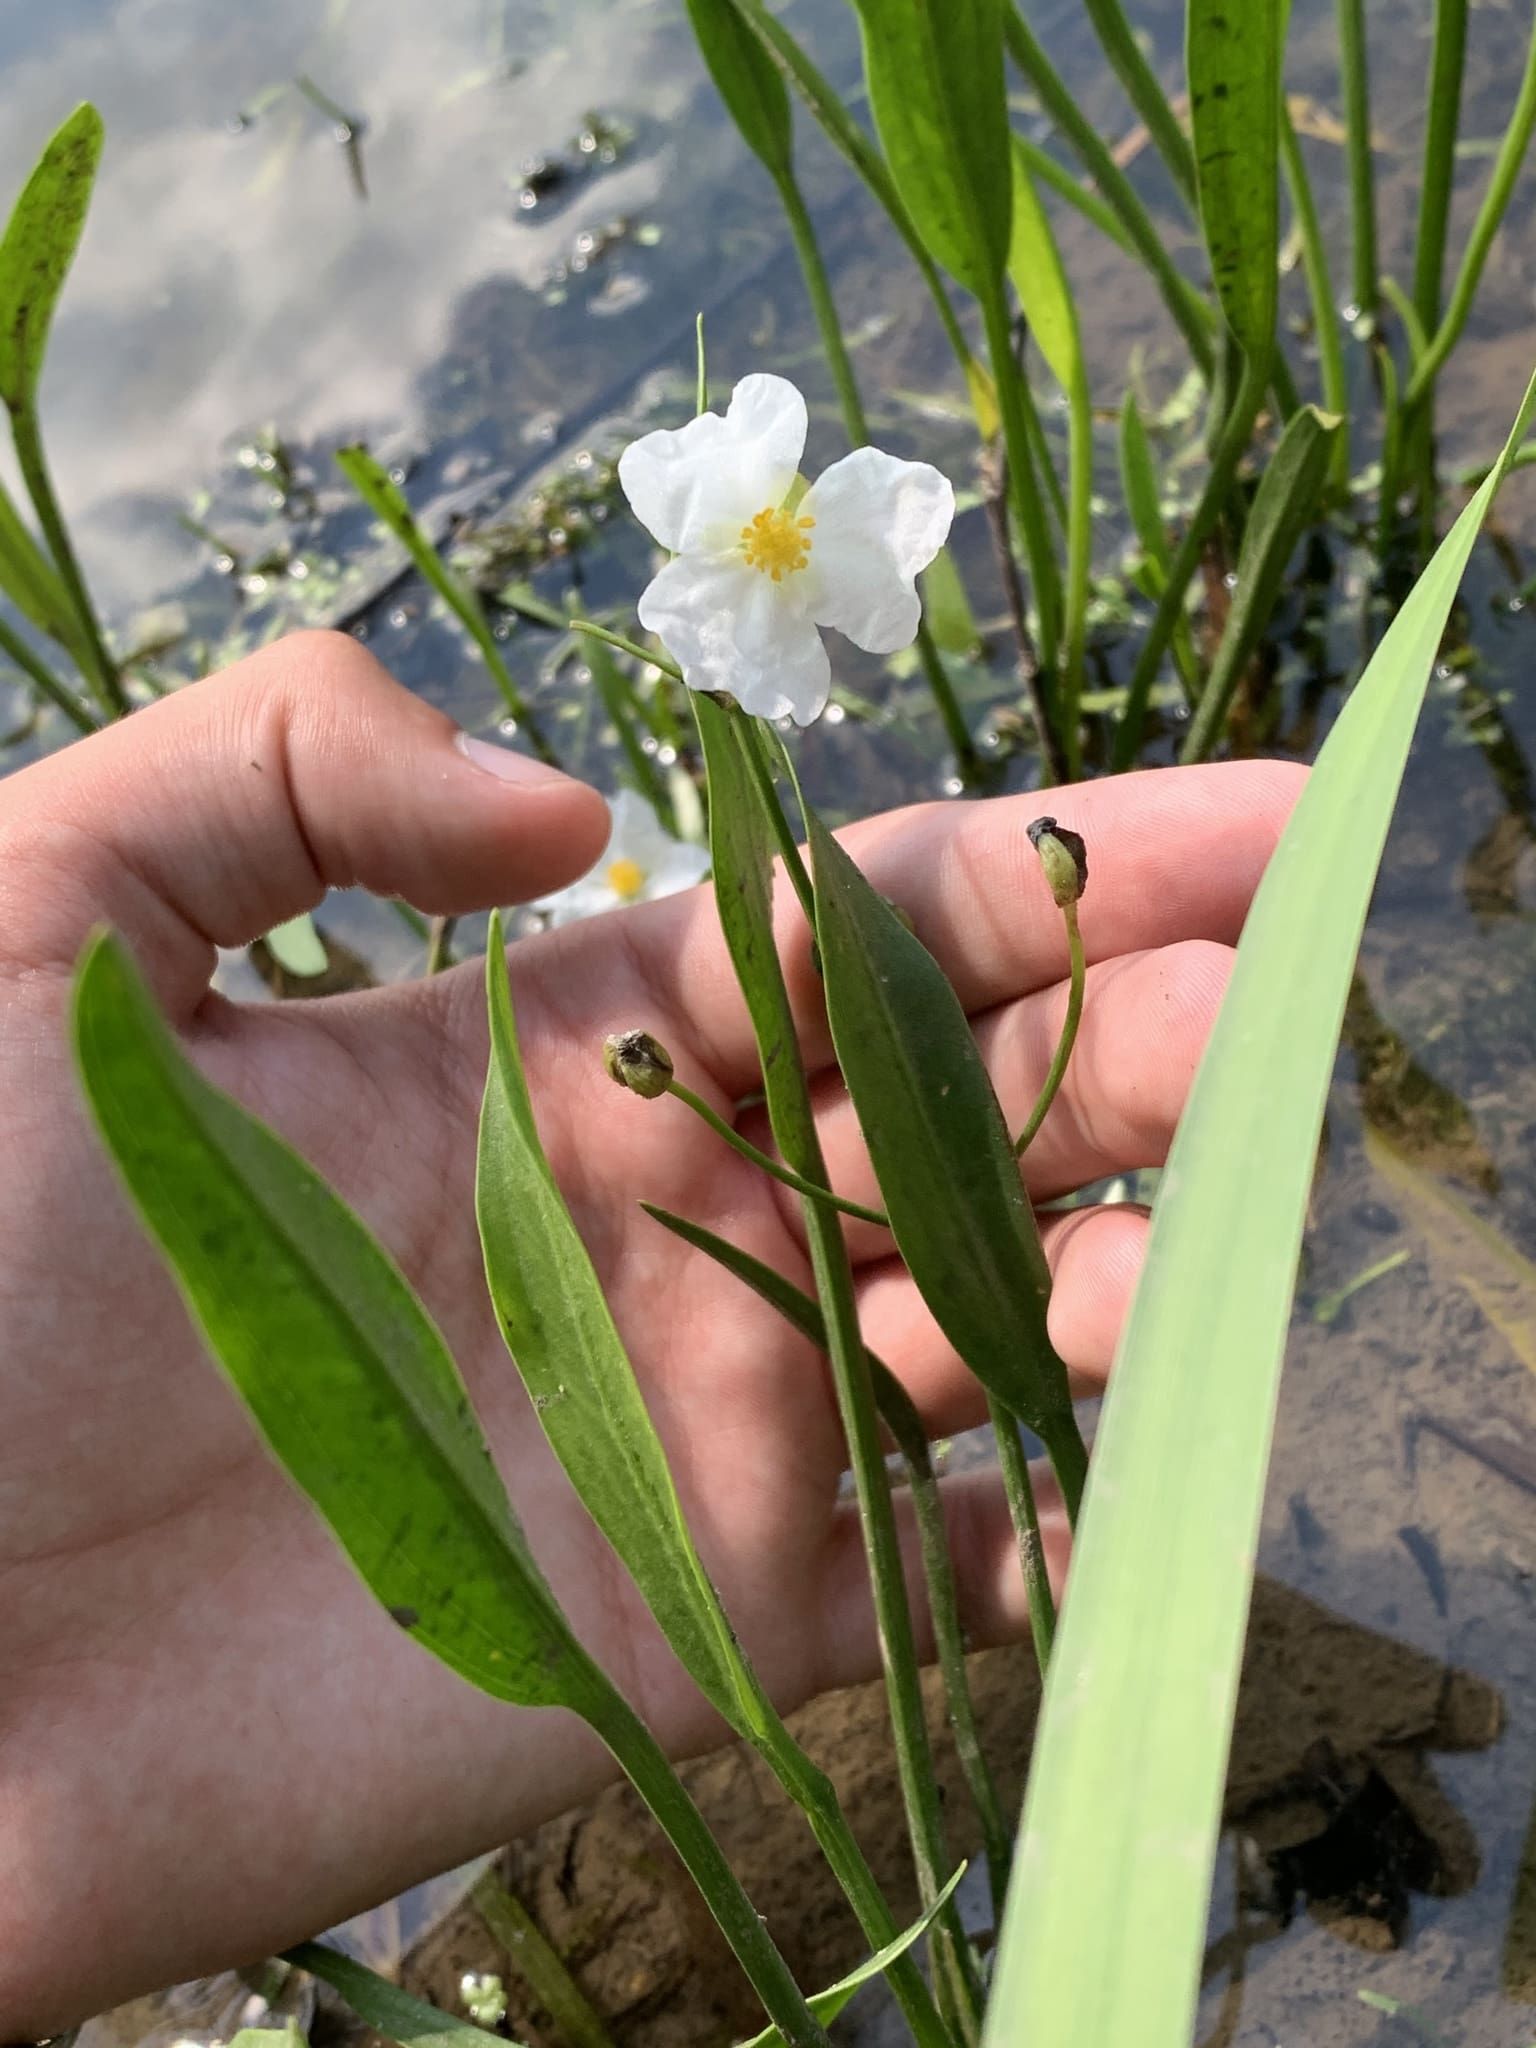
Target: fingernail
(503, 763)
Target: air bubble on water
(527, 199)
(297, 571)
(507, 727)
(582, 674)
(253, 586)
(650, 745)
(1349, 313)
(360, 630)
(598, 514)
(557, 537)
(952, 786)
(225, 564)
(666, 755)
(399, 617)
(1229, 581)
(834, 714)
(397, 473)
(502, 630)
(582, 459)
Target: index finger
(1173, 854)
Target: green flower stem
(1068, 1039)
(1026, 1528)
(1015, 404)
(795, 1130)
(1191, 314)
(625, 645)
(1489, 216)
(39, 673)
(786, 1174)
(1442, 119)
(1235, 436)
(539, 1963)
(645, 1765)
(1145, 94)
(1365, 289)
(754, 744)
(100, 669)
(1325, 318)
(835, 349)
(440, 944)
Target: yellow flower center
(777, 543)
(626, 878)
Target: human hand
(212, 1742)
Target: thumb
(233, 805)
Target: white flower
(755, 572)
(641, 861)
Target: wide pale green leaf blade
(561, 1334)
(319, 1334)
(1233, 56)
(1282, 508)
(385, 2007)
(937, 88)
(1035, 266)
(829, 2003)
(748, 80)
(1106, 1916)
(298, 948)
(38, 247)
(941, 1151)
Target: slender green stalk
(1325, 317)
(1026, 1528)
(846, 135)
(1190, 313)
(643, 1762)
(795, 1130)
(786, 1174)
(701, 389)
(1393, 439)
(1441, 122)
(100, 669)
(1146, 95)
(755, 745)
(1045, 468)
(1068, 1038)
(1362, 182)
(539, 1963)
(1225, 457)
(1489, 215)
(1015, 404)
(1079, 556)
(43, 677)
(625, 645)
(835, 349)
(440, 944)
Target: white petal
(680, 867)
(587, 898)
(731, 628)
(696, 486)
(878, 522)
(637, 835)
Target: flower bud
(636, 1061)
(1064, 858)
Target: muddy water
(477, 234)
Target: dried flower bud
(637, 1062)
(1064, 858)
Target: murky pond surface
(477, 235)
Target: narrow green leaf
(38, 247)
(748, 80)
(1138, 481)
(318, 1332)
(29, 579)
(384, 2006)
(1233, 54)
(941, 1150)
(1282, 509)
(1103, 1948)
(561, 1334)
(829, 2003)
(937, 88)
(540, 1965)
(298, 948)
(946, 608)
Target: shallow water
(254, 291)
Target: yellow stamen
(776, 542)
(626, 878)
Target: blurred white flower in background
(641, 861)
(757, 570)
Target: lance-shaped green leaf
(1137, 1718)
(1282, 508)
(1138, 480)
(297, 947)
(829, 2003)
(342, 1370)
(1233, 55)
(748, 80)
(937, 88)
(385, 2007)
(941, 1150)
(561, 1334)
(29, 579)
(38, 247)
